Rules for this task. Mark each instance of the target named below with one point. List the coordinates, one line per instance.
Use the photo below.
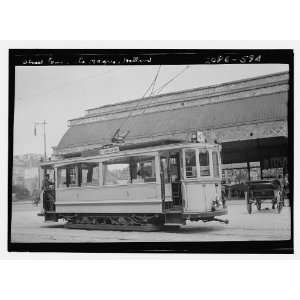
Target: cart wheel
(278, 201)
(273, 204)
(249, 208)
(282, 198)
(258, 205)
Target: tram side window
(204, 163)
(73, 176)
(190, 164)
(62, 177)
(215, 164)
(116, 173)
(89, 174)
(142, 169)
(139, 169)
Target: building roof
(200, 92)
(259, 109)
(234, 104)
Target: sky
(57, 94)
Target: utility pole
(45, 154)
(44, 125)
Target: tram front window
(204, 163)
(190, 164)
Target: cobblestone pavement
(260, 225)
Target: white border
(106, 44)
(148, 276)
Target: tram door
(171, 180)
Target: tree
(20, 191)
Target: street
(266, 224)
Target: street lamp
(44, 126)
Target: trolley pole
(45, 154)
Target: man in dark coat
(49, 198)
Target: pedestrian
(278, 186)
(287, 188)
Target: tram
(142, 186)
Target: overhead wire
(169, 81)
(154, 81)
(153, 92)
(149, 87)
(160, 89)
(139, 102)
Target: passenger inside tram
(129, 170)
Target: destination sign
(109, 150)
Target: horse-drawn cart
(264, 191)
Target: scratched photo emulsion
(142, 148)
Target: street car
(137, 187)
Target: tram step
(173, 224)
(174, 219)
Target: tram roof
(132, 150)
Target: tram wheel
(249, 208)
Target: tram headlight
(216, 203)
(213, 207)
(218, 200)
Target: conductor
(48, 194)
